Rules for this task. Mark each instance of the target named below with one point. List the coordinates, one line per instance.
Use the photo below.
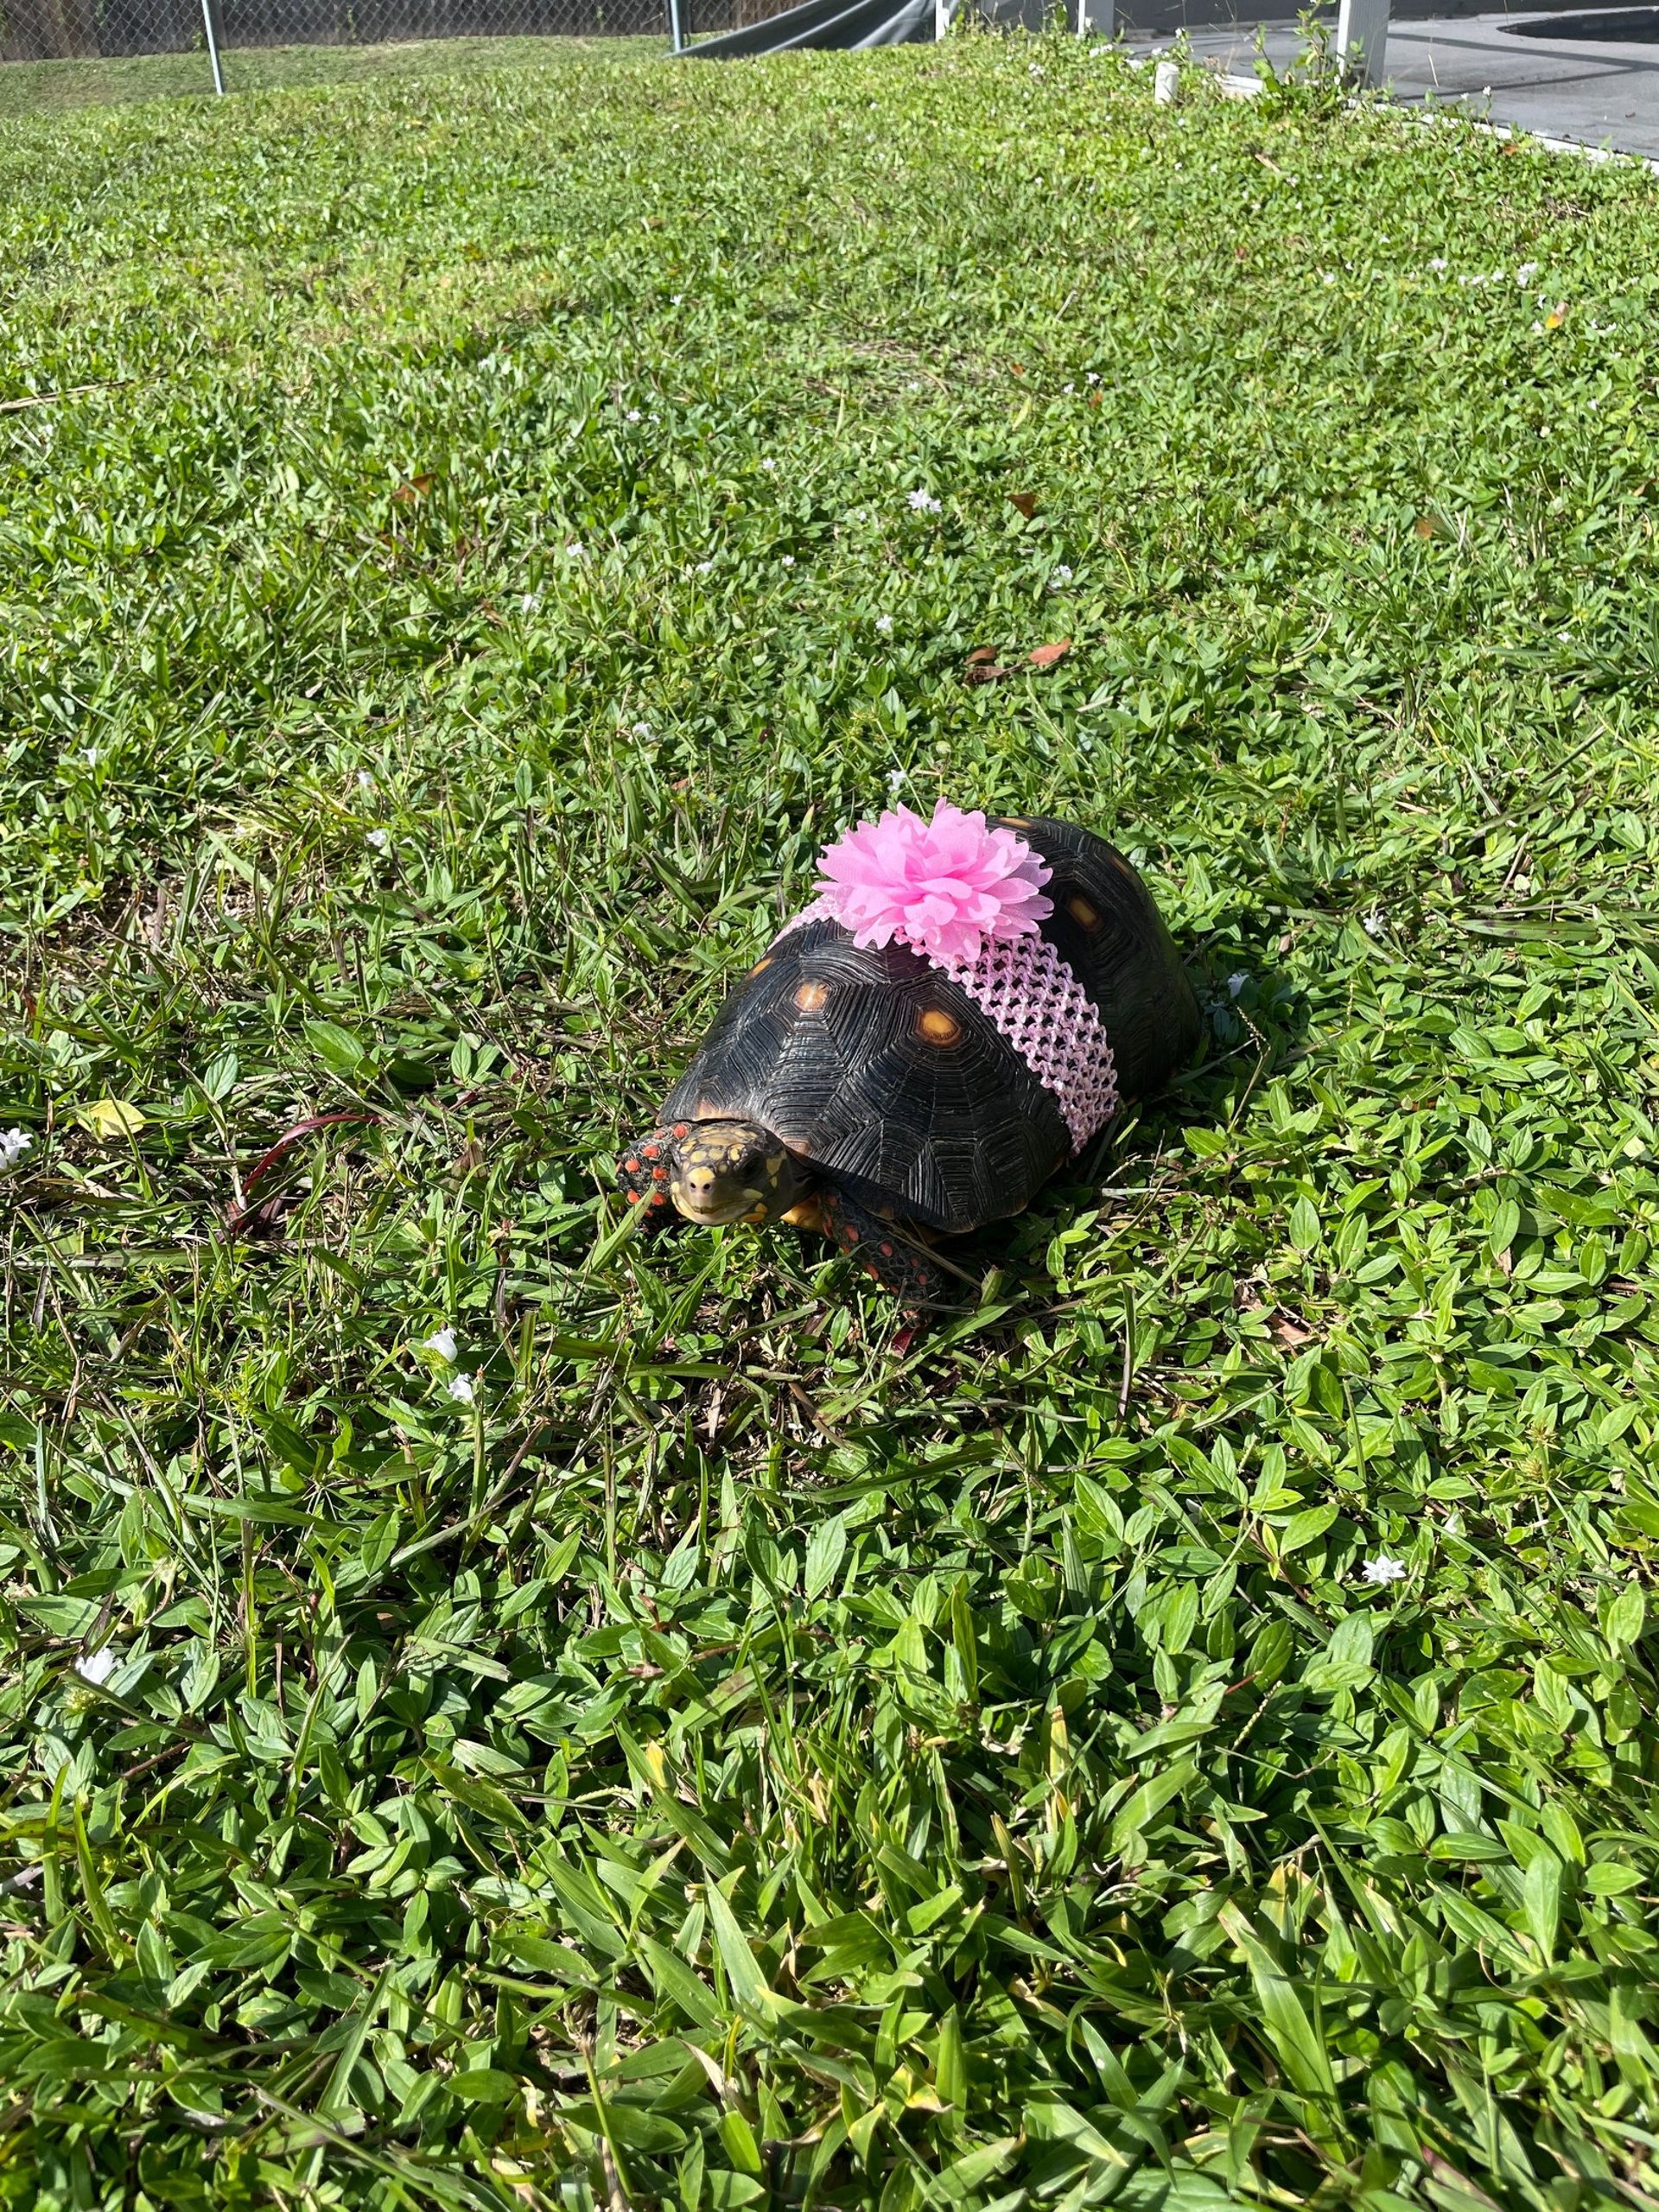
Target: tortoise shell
(880, 1072)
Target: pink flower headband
(946, 888)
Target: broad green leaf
(749, 1985)
(1292, 2035)
(825, 1550)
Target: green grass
(734, 1758)
(36, 87)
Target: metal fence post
(1363, 39)
(213, 46)
(676, 30)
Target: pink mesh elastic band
(1026, 990)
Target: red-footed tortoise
(961, 1009)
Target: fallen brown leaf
(1045, 656)
(1026, 501)
(251, 1214)
(983, 668)
(416, 488)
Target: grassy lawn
(690, 1750)
(35, 87)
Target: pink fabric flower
(944, 887)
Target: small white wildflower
(1061, 577)
(91, 756)
(1372, 923)
(642, 729)
(1384, 1569)
(923, 503)
(14, 1143)
(789, 560)
(365, 779)
(575, 551)
(1537, 329)
(1525, 273)
(97, 1666)
(633, 415)
(461, 1390)
(1071, 387)
(1094, 376)
(884, 624)
(379, 839)
(1326, 278)
(897, 779)
(770, 467)
(704, 567)
(442, 1342)
(1235, 984)
(678, 297)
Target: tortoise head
(733, 1171)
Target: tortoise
(892, 1091)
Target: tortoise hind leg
(644, 1168)
(896, 1260)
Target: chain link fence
(44, 30)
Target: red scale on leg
(896, 1266)
(644, 1175)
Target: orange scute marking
(938, 1027)
(812, 998)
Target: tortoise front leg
(647, 1167)
(896, 1260)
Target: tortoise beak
(694, 1196)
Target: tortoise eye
(812, 998)
(938, 1027)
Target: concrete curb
(1234, 87)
